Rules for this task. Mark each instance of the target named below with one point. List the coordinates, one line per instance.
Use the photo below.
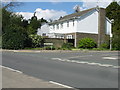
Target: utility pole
(110, 43)
(112, 21)
(75, 45)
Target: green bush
(37, 40)
(66, 46)
(104, 46)
(15, 37)
(88, 43)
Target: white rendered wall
(65, 29)
(108, 28)
(88, 23)
(44, 30)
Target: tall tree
(35, 24)
(14, 35)
(5, 19)
(113, 12)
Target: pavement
(14, 79)
(78, 69)
(37, 51)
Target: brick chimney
(101, 26)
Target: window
(44, 34)
(67, 23)
(73, 23)
(61, 25)
(62, 36)
(57, 26)
(53, 26)
(69, 36)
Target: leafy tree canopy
(16, 30)
(113, 12)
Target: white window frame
(69, 36)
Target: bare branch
(10, 5)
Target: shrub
(66, 46)
(104, 45)
(15, 37)
(88, 43)
(37, 40)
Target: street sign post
(49, 44)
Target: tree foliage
(35, 24)
(5, 19)
(113, 12)
(18, 33)
(15, 37)
(16, 30)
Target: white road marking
(11, 69)
(81, 56)
(83, 62)
(60, 84)
(110, 58)
(49, 81)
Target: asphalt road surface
(74, 69)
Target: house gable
(88, 23)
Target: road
(74, 69)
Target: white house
(88, 23)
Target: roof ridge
(77, 14)
(80, 11)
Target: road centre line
(60, 84)
(83, 62)
(113, 58)
(81, 56)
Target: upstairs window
(67, 23)
(61, 25)
(57, 26)
(53, 26)
(73, 23)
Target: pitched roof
(70, 16)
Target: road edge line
(11, 69)
(60, 84)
